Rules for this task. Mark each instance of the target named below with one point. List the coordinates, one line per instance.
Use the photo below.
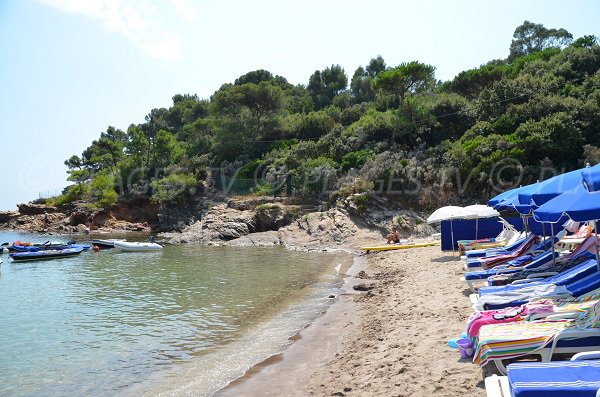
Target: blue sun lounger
(530, 264)
(575, 288)
(495, 251)
(576, 281)
(575, 378)
(577, 272)
(541, 262)
(535, 250)
(555, 379)
(478, 278)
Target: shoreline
(389, 341)
(312, 347)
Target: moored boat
(43, 255)
(137, 246)
(18, 246)
(105, 243)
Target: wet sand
(390, 341)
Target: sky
(71, 68)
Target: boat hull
(135, 246)
(45, 255)
(104, 243)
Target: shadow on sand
(446, 259)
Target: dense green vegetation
(395, 130)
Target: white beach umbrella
(481, 211)
(450, 213)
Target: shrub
(173, 189)
(355, 159)
(103, 190)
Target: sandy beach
(389, 341)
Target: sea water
(182, 321)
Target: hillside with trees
(392, 130)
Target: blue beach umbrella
(557, 185)
(581, 203)
(500, 197)
(513, 200)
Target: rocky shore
(252, 222)
(77, 218)
(294, 227)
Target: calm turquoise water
(183, 321)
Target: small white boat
(105, 243)
(135, 246)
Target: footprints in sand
(398, 348)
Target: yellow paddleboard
(390, 247)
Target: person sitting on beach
(394, 236)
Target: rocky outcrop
(76, 217)
(136, 209)
(177, 218)
(274, 216)
(261, 239)
(270, 224)
(35, 209)
(379, 213)
(221, 223)
(6, 216)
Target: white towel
(522, 294)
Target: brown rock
(362, 287)
(34, 209)
(6, 216)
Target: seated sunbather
(394, 236)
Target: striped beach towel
(502, 341)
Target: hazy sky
(70, 68)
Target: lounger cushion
(554, 379)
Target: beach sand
(390, 341)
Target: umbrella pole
(544, 232)
(552, 237)
(596, 245)
(476, 228)
(452, 232)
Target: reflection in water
(104, 322)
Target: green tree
(587, 41)
(407, 78)
(324, 85)
(106, 152)
(361, 86)
(375, 66)
(533, 37)
(556, 137)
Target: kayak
(391, 247)
(105, 243)
(135, 246)
(43, 255)
(46, 247)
